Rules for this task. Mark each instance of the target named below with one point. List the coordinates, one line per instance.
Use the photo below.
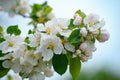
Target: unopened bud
(104, 36)
(77, 20)
(78, 52)
(88, 53)
(83, 58)
(83, 31)
(83, 46)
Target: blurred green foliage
(98, 75)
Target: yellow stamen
(51, 46)
(10, 44)
(41, 20)
(63, 41)
(48, 30)
(91, 23)
(33, 56)
(61, 27)
(38, 40)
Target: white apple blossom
(11, 43)
(34, 39)
(9, 6)
(31, 58)
(15, 6)
(23, 7)
(50, 27)
(93, 23)
(50, 44)
(84, 32)
(56, 26)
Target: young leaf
(1, 54)
(75, 36)
(71, 25)
(1, 29)
(82, 14)
(13, 30)
(60, 63)
(75, 66)
(1, 40)
(3, 71)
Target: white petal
(47, 54)
(58, 49)
(70, 47)
(37, 76)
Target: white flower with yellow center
(23, 7)
(92, 22)
(29, 58)
(56, 26)
(50, 27)
(11, 43)
(9, 6)
(34, 39)
(49, 44)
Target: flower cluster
(53, 42)
(15, 6)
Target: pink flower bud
(77, 20)
(83, 58)
(78, 52)
(83, 31)
(83, 46)
(88, 53)
(104, 36)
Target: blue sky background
(108, 53)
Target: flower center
(38, 40)
(51, 46)
(91, 23)
(41, 20)
(48, 30)
(61, 27)
(63, 41)
(10, 44)
(33, 56)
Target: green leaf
(69, 56)
(75, 66)
(27, 40)
(35, 9)
(1, 40)
(75, 37)
(60, 63)
(71, 25)
(3, 71)
(1, 29)
(13, 30)
(9, 77)
(1, 54)
(82, 14)
(48, 9)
